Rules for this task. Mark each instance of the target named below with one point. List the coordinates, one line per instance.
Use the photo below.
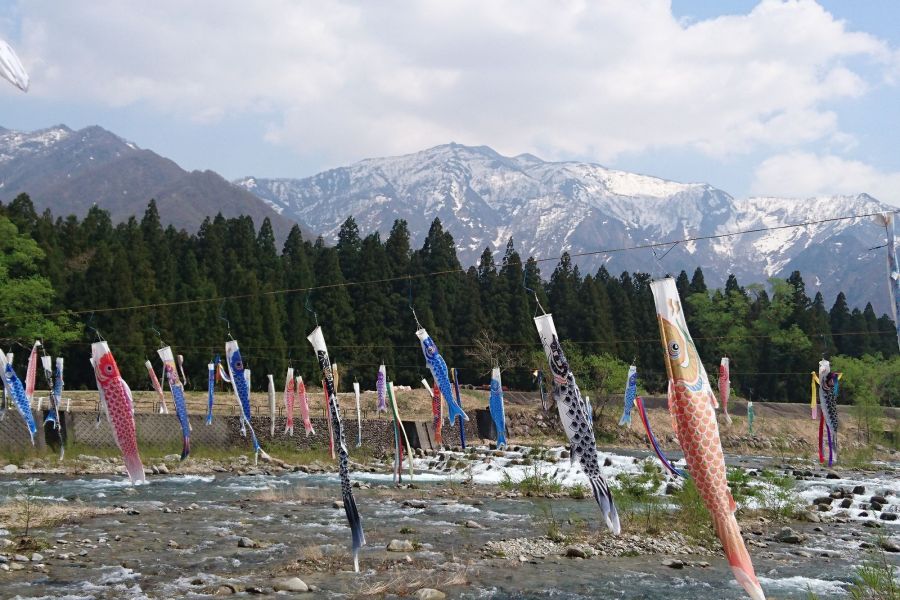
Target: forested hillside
(65, 279)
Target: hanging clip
(308, 306)
(409, 288)
(90, 327)
(222, 317)
(153, 328)
(528, 289)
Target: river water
(178, 537)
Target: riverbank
(472, 524)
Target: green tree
(25, 294)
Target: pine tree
(698, 283)
(683, 285)
(564, 288)
(839, 316)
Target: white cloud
(804, 174)
(342, 79)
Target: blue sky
(757, 98)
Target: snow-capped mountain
(484, 198)
(68, 171)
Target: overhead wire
(407, 277)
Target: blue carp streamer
(16, 391)
(630, 395)
(211, 388)
(441, 374)
(498, 413)
(239, 377)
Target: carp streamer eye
(674, 350)
(238, 365)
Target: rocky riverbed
(464, 527)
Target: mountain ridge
(70, 170)
(483, 198)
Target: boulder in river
(673, 563)
(400, 546)
(430, 594)
(788, 536)
(290, 584)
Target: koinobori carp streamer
(889, 221)
(211, 388)
(441, 374)
(698, 431)
(115, 395)
(154, 381)
(381, 389)
(16, 391)
(11, 68)
(456, 394)
(304, 407)
(177, 389)
(31, 371)
(358, 415)
(630, 395)
(828, 391)
(290, 387)
(317, 339)
(239, 377)
(495, 404)
(725, 386)
(573, 414)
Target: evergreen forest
(60, 276)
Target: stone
(832, 475)
(400, 546)
(8, 469)
(337, 504)
(162, 469)
(224, 590)
(246, 542)
(673, 563)
(415, 503)
(474, 525)
(430, 594)
(20, 558)
(878, 499)
(16, 566)
(877, 505)
(255, 590)
(788, 536)
(872, 524)
(886, 516)
(576, 552)
(290, 584)
(846, 503)
(889, 545)
(823, 500)
(172, 457)
(36, 557)
(811, 517)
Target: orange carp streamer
(692, 405)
